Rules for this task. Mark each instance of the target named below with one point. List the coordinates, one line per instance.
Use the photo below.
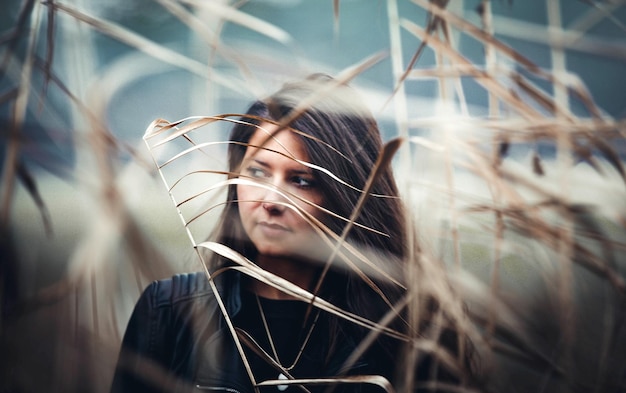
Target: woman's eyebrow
(306, 171)
(298, 171)
(261, 163)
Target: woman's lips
(272, 229)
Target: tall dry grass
(524, 251)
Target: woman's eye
(256, 172)
(303, 182)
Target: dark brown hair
(340, 135)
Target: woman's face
(274, 228)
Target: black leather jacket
(177, 340)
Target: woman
(293, 188)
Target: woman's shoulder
(179, 288)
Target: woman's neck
(298, 272)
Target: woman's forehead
(284, 142)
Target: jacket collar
(229, 287)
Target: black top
(178, 341)
(285, 320)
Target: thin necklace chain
(269, 336)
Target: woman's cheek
(245, 193)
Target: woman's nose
(273, 202)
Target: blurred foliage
(513, 119)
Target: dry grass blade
(428, 144)
(110, 139)
(336, 15)
(605, 10)
(382, 162)
(47, 69)
(325, 233)
(481, 164)
(522, 220)
(373, 335)
(585, 154)
(610, 154)
(159, 126)
(489, 39)
(509, 337)
(145, 45)
(229, 323)
(542, 98)
(431, 26)
(19, 114)
(359, 255)
(251, 269)
(191, 150)
(376, 380)
(562, 113)
(16, 34)
(462, 24)
(551, 235)
(481, 77)
(213, 187)
(212, 38)
(289, 205)
(198, 121)
(582, 93)
(187, 17)
(520, 181)
(251, 343)
(521, 130)
(196, 24)
(537, 165)
(30, 183)
(323, 170)
(328, 88)
(440, 72)
(248, 21)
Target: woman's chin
(301, 257)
